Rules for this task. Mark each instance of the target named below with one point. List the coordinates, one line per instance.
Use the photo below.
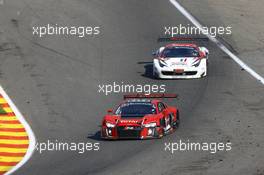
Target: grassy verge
(2, 111)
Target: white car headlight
(149, 125)
(110, 125)
(196, 63)
(162, 63)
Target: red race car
(141, 116)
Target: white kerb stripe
(31, 136)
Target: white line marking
(217, 42)
(32, 140)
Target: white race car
(180, 61)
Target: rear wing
(182, 39)
(153, 95)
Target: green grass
(2, 111)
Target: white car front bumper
(171, 73)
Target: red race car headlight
(150, 125)
(110, 125)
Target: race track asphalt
(54, 82)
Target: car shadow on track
(96, 136)
(148, 69)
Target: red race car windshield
(180, 52)
(135, 109)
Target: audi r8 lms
(139, 117)
(180, 61)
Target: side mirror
(202, 54)
(157, 52)
(109, 111)
(204, 50)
